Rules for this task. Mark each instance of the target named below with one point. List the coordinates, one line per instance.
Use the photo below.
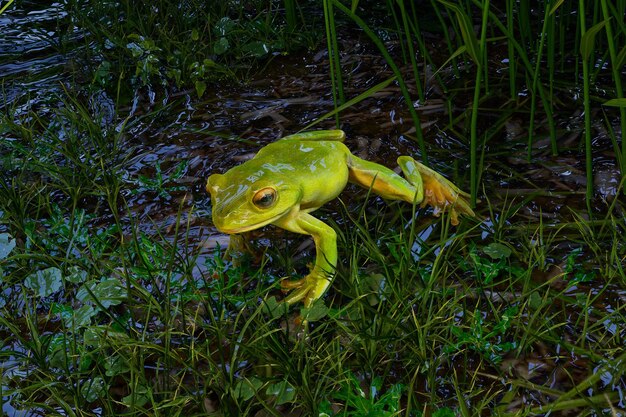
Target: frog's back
(320, 167)
(307, 157)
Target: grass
(227, 39)
(532, 66)
(421, 319)
(107, 310)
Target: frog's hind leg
(424, 186)
(384, 181)
(439, 192)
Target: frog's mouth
(247, 227)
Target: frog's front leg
(314, 285)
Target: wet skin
(296, 175)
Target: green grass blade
(462, 49)
(290, 14)
(383, 50)
(333, 57)
(409, 43)
(467, 32)
(586, 45)
(621, 58)
(555, 7)
(350, 102)
(6, 6)
(547, 103)
(588, 39)
(615, 102)
(617, 60)
(510, 18)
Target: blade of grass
(446, 35)
(617, 79)
(290, 14)
(350, 103)
(510, 19)
(477, 52)
(383, 50)
(422, 46)
(547, 18)
(474, 138)
(409, 42)
(333, 56)
(584, 385)
(6, 6)
(587, 42)
(467, 31)
(522, 54)
(615, 102)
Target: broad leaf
(588, 40)
(107, 292)
(246, 388)
(315, 312)
(200, 88)
(6, 245)
(497, 251)
(283, 391)
(257, 48)
(45, 282)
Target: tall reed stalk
(291, 14)
(539, 55)
(616, 65)
(411, 50)
(6, 6)
(333, 57)
(547, 18)
(394, 68)
(587, 42)
(587, 106)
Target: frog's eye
(264, 198)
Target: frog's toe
(301, 289)
(454, 217)
(307, 289)
(299, 294)
(288, 284)
(442, 195)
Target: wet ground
(193, 138)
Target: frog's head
(242, 203)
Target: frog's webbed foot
(438, 192)
(307, 289)
(441, 194)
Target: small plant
(201, 44)
(497, 262)
(352, 400)
(159, 184)
(574, 271)
(488, 339)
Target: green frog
(294, 176)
